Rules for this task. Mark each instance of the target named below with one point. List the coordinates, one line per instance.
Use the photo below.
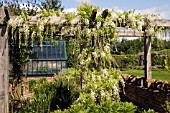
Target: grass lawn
(158, 74)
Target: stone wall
(146, 93)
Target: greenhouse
(48, 59)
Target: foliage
(31, 84)
(161, 60)
(69, 76)
(165, 62)
(126, 61)
(141, 110)
(85, 11)
(49, 96)
(132, 61)
(98, 79)
(73, 51)
(86, 105)
(157, 60)
(167, 106)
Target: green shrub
(87, 105)
(126, 61)
(49, 96)
(157, 60)
(163, 61)
(65, 95)
(31, 84)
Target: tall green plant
(49, 96)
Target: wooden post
(4, 64)
(147, 57)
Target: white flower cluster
(107, 48)
(105, 72)
(41, 26)
(150, 32)
(16, 22)
(82, 63)
(94, 54)
(103, 54)
(98, 25)
(116, 91)
(93, 95)
(86, 21)
(109, 23)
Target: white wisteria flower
(41, 26)
(114, 16)
(112, 24)
(25, 28)
(86, 21)
(99, 12)
(93, 29)
(120, 20)
(99, 78)
(82, 63)
(98, 25)
(20, 21)
(110, 80)
(80, 55)
(93, 95)
(140, 27)
(88, 31)
(130, 16)
(89, 58)
(123, 16)
(93, 77)
(103, 54)
(107, 48)
(95, 86)
(102, 94)
(105, 23)
(105, 72)
(116, 91)
(150, 32)
(94, 53)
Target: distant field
(158, 74)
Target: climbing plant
(93, 30)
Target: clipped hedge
(163, 61)
(131, 61)
(126, 61)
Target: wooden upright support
(4, 64)
(147, 57)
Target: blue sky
(142, 6)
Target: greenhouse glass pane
(34, 66)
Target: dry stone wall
(148, 94)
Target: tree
(15, 7)
(52, 4)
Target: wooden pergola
(4, 57)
